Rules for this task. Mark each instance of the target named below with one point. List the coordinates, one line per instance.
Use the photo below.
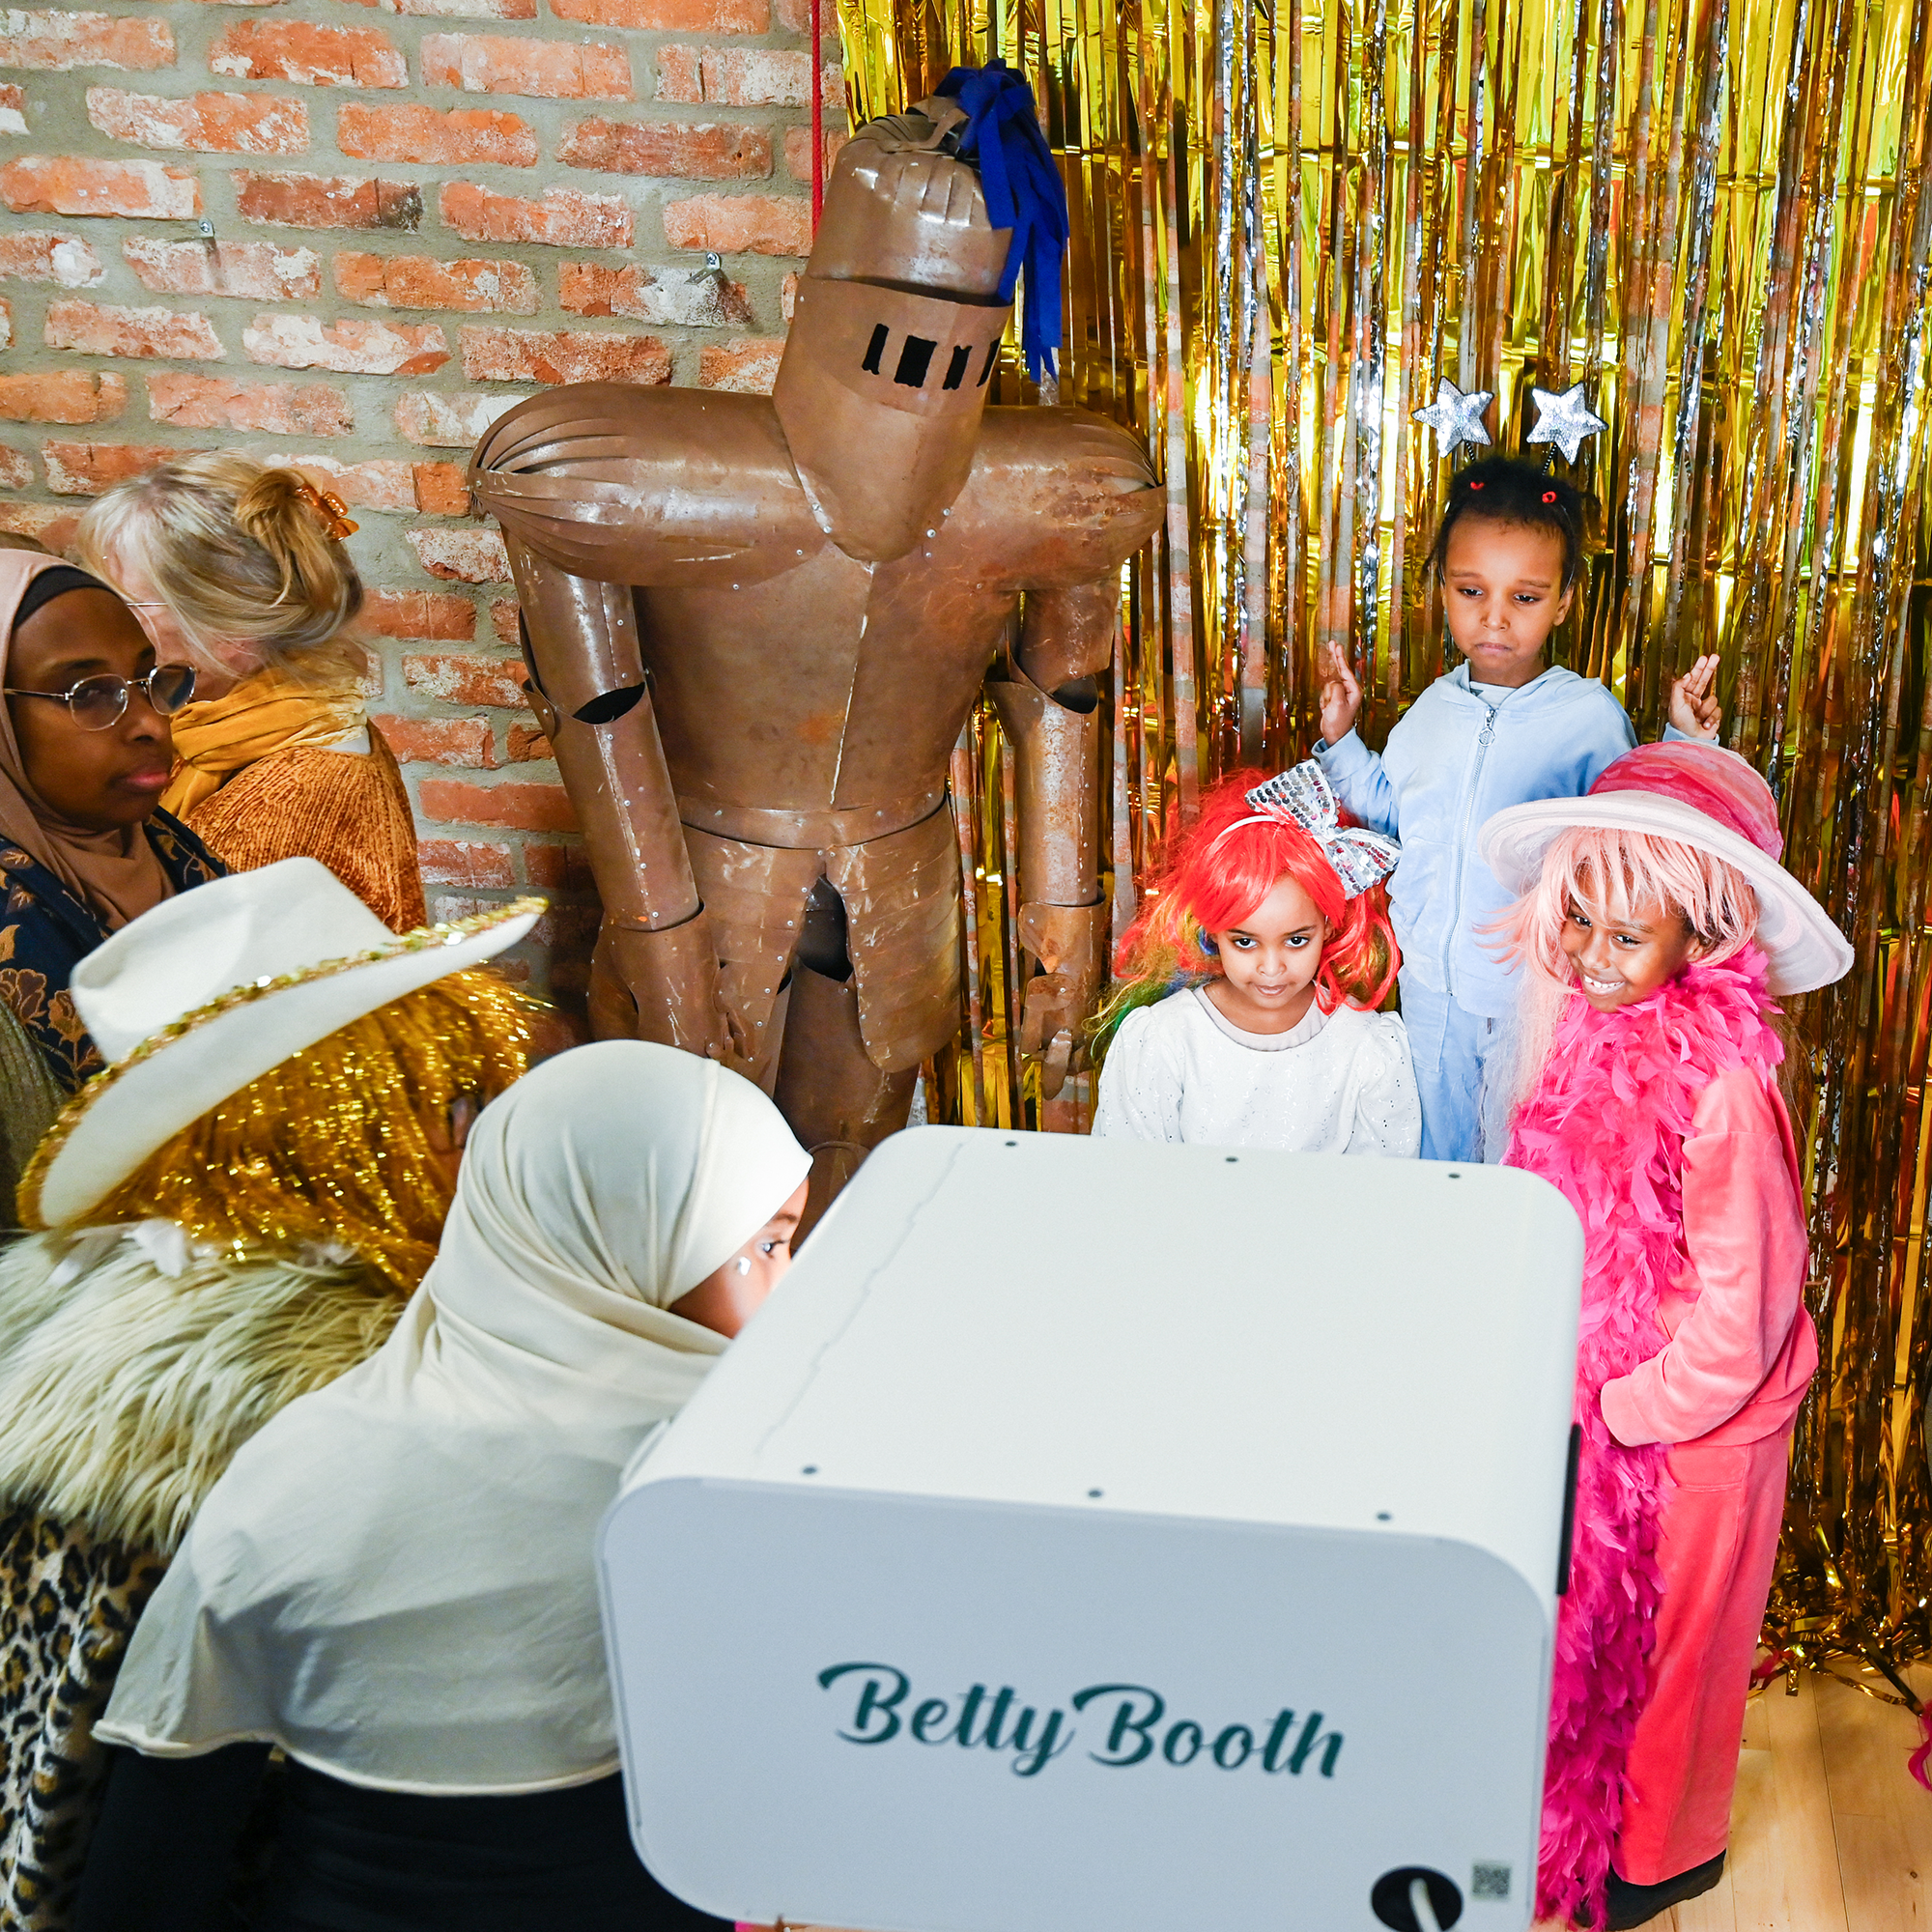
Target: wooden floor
(1829, 1832)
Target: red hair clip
(1477, 484)
(1549, 496)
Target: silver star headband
(1302, 796)
(1564, 419)
(1456, 418)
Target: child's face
(1502, 591)
(1618, 961)
(728, 1298)
(1273, 956)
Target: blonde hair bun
(239, 554)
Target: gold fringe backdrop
(1287, 226)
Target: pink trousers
(1720, 1523)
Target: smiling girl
(84, 847)
(1503, 727)
(1656, 925)
(1247, 1013)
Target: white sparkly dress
(1337, 1083)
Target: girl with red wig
(1247, 1013)
(1656, 926)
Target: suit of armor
(756, 627)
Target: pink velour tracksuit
(1723, 1393)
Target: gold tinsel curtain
(1287, 226)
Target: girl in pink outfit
(1656, 925)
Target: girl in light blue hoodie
(1500, 730)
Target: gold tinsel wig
(331, 1149)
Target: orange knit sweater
(350, 812)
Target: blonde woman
(241, 571)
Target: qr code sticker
(1489, 1882)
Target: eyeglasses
(99, 703)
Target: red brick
(669, 16)
(67, 185)
(87, 468)
(462, 557)
(203, 124)
(548, 70)
(456, 9)
(526, 746)
(750, 363)
(309, 56)
(448, 420)
(566, 217)
(741, 78)
(414, 281)
(104, 328)
(523, 808)
(739, 224)
(440, 741)
(680, 150)
(41, 255)
(62, 396)
(218, 401)
(381, 484)
(418, 613)
(257, 271)
(504, 615)
(42, 522)
(563, 356)
(700, 298)
(348, 348)
(15, 470)
(458, 678)
(54, 39)
(410, 131)
(465, 862)
(798, 152)
(327, 201)
(557, 868)
(789, 297)
(12, 111)
(442, 489)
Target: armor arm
(1051, 716)
(654, 975)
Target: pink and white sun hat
(1703, 796)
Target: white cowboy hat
(1702, 796)
(192, 1001)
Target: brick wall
(415, 213)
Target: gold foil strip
(1288, 222)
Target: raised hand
(1341, 698)
(1695, 708)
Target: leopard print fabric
(68, 1607)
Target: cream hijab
(116, 874)
(395, 1579)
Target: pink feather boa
(1606, 1126)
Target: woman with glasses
(84, 844)
(241, 571)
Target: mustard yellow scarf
(268, 711)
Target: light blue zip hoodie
(1453, 760)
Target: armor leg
(837, 1102)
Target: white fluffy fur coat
(132, 1368)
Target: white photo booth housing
(1098, 1537)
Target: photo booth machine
(1092, 1536)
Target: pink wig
(1617, 871)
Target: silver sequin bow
(1302, 796)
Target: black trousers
(349, 1860)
